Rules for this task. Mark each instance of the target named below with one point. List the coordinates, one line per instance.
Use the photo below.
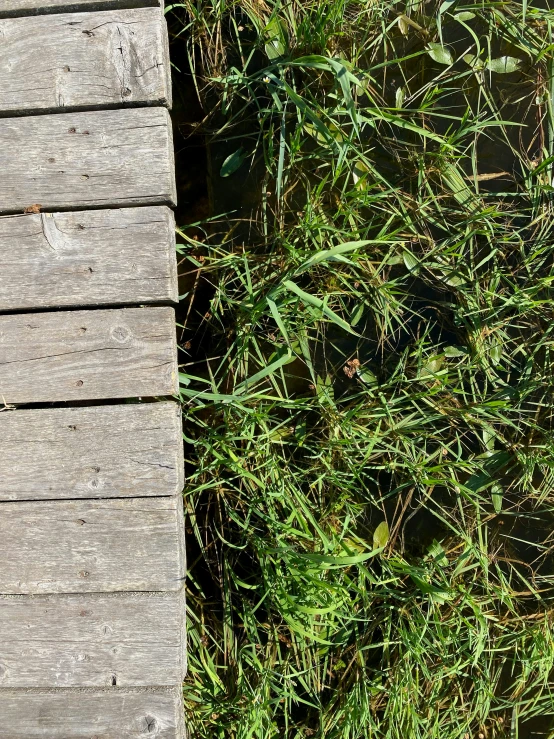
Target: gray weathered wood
(57, 641)
(97, 452)
(84, 60)
(103, 158)
(13, 8)
(87, 258)
(91, 546)
(87, 355)
(92, 714)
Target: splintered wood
(92, 558)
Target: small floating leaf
(454, 279)
(233, 162)
(381, 535)
(432, 366)
(504, 65)
(473, 61)
(466, 16)
(440, 54)
(454, 351)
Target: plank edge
(79, 7)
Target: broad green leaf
(233, 162)
(338, 561)
(381, 535)
(454, 180)
(277, 317)
(393, 259)
(432, 366)
(400, 94)
(357, 315)
(344, 79)
(367, 377)
(504, 65)
(473, 61)
(276, 39)
(465, 16)
(451, 278)
(411, 262)
(496, 352)
(324, 389)
(359, 174)
(489, 438)
(440, 54)
(437, 553)
(496, 495)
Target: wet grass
(368, 370)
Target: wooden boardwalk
(92, 564)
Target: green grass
(368, 396)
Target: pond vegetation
(367, 335)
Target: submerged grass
(368, 370)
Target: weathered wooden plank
(97, 452)
(57, 641)
(87, 355)
(88, 258)
(102, 158)
(14, 8)
(84, 60)
(91, 546)
(92, 714)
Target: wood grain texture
(14, 8)
(87, 355)
(103, 158)
(98, 452)
(88, 258)
(84, 60)
(91, 546)
(57, 641)
(84, 714)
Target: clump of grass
(370, 467)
